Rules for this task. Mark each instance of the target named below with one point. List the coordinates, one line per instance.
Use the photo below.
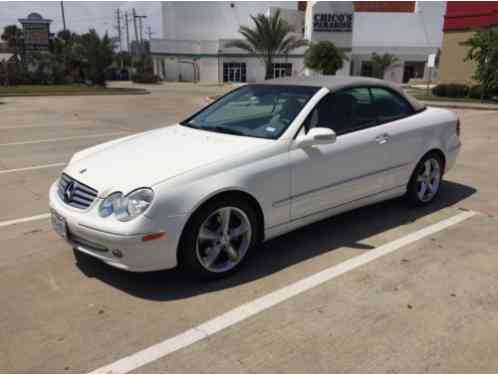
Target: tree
(271, 36)
(97, 55)
(324, 57)
(123, 59)
(483, 49)
(380, 63)
(12, 35)
(67, 52)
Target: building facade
(461, 21)
(195, 34)
(36, 32)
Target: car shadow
(344, 230)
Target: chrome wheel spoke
(427, 171)
(212, 255)
(208, 235)
(233, 255)
(239, 231)
(423, 189)
(430, 188)
(225, 219)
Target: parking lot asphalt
(430, 306)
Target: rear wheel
(426, 180)
(218, 238)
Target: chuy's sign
(328, 22)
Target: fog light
(117, 253)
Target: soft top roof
(336, 83)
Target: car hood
(146, 159)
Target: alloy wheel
(428, 180)
(223, 239)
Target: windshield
(263, 111)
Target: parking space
(429, 306)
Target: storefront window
(234, 72)
(282, 70)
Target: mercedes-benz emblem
(68, 191)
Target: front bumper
(119, 244)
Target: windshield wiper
(221, 129)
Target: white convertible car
(258, 162)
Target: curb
(459, 106)
(61, 93)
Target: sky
(83, 15)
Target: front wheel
(218, 238)
(426, 180)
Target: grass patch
(75, 89)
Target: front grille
(81, 196)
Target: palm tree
(271, 36)
(97, 55)
(380, 63)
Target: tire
(225, 248)
(428, 172)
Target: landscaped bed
(74, 89)
(421, 94)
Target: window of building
(282, 70)
(234, 72)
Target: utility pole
(63, 16)
(118, 19)
(141, 28)
(135, 24)
(140, 41)
(127, 32)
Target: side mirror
(317, 136)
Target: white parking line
(62, 139)
(23, 220)
(252, 308)
(34, 167)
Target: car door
(402, 135)
(329, 175)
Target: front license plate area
(59, 224)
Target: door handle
(381, 139)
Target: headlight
(109, 204)
(128, 207)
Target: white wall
(422, 28)
(198, 20)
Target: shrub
(145, 78)
(476, 91)
(451, 90)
